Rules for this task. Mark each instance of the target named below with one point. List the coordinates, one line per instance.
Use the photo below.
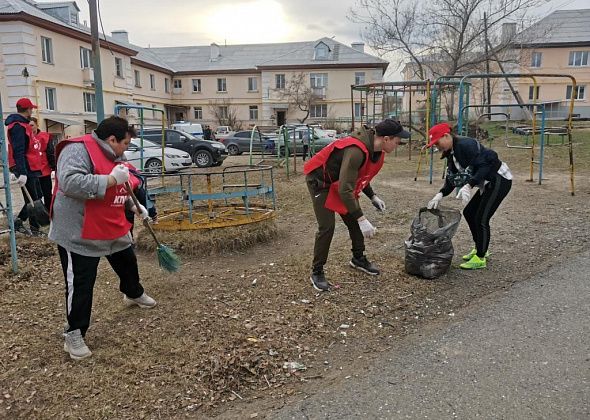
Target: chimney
(358, 46)
(215, 52)
(121, 36)
(508, 32)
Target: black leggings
(480, 210)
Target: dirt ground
(225, 324)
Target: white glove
(120, 173)
(367, 228)
(143, 213)
(378, 203)
(21, 180)
(433, 204)
(464, 194)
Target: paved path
(524, 354)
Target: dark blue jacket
(469, 152)
(20, 145)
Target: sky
(167, 23)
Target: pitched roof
(254, 56)
(560, 27)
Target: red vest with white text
(43, 138)
(104, 219)
(366, 173)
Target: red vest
(43, 138)
(103, 219)
(366, 173)
(32, 154)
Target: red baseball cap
(436, 132)
(25, 103)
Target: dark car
(203, 152)
(239, 142)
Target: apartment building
(45, 54)
(557, 44)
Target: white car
(174, 159)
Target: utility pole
(96, 61)
(488, 83)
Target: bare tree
(298, 92)
(225, 113)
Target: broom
(167, 259)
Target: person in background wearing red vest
(24, 160)
(48, 162)
(335, 178)
(88, 222)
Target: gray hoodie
(77, 183)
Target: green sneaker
(472, 253)
(474, 263)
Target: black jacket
(469, 152)
(20, 145)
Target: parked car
(174, 159)
(192, 128)
(239, 142)
(222, 131)
(301, 135)
(203, 152)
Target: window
(223, 112)
(46, 50)
(531, 90)
(167, 85)
(253, 112)
(196, 85)
(359, 78)
(580, 92)
(279, 81)
(536, 59)
(119, 67)
(85, 58)
(578, 58)
(318, 80)
(359, 110)
(89, 102)
(50, 99)
(322, 52)
(221, 85)
(73, 18)
(319, 111)
(137, 78)
(252, 84)
(198, 113)
(177, 84)
(152, 82)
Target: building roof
(57, 4)
(255, 56)
(562, 27)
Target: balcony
(88, 76)
(319, 92)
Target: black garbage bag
(429, 249)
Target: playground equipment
(233, 196)
(7, 207)
(464, 114)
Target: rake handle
(145, 221)
(28, 194)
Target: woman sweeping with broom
(88, 222)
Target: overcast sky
(160, 23)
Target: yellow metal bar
(534, 126)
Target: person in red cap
(335, 178)
(48, 159)
(470, 165)
(25, 160)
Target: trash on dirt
(305, 301)
(344, 326)
(273, 352)
(254, 282)
(429, 249)
(294, 366)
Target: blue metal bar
(8, 195)
(228, 195)
(190, 200)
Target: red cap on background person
(25, 103)
(436, 132)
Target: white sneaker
(75, 345)
(144, 301)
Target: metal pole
(141, 140)
(489, 86)
(542, 152)
(410, 127)
(8, 195)
(352, 106)
(96, 61)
